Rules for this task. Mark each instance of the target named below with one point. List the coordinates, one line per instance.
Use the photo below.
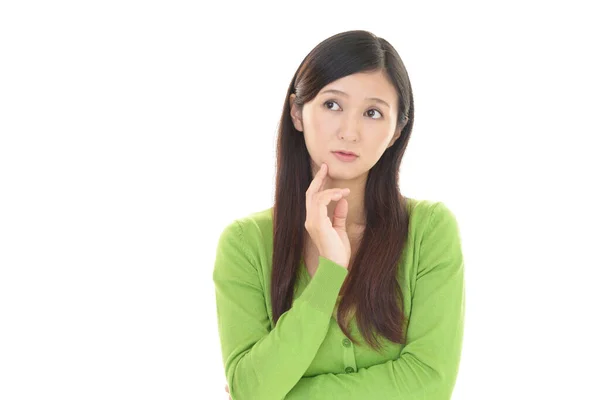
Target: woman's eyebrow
(346, 95)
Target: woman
(344, 288)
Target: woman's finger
(317, 182)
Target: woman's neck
(356, 217)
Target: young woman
(344, 288)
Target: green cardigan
(306, 356)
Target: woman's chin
(341, 172)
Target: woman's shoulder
(257, 221)
(420, 208)
(253, 228)
(423, 212)
(424, 208)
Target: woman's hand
(331, 239)
(227, 390)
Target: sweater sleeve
(261, 363)
(427, 367)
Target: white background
(131, 133)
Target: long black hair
(371, 287)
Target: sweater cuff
(324, 288)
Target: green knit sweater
(307, 356)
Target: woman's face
(351, 121)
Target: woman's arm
(261, 363)
(428, 365)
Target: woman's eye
(326, 104)
(372, 109)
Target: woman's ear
(396, 136)
(398, 132)
(296, 114)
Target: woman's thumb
(339, 214)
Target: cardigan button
(346, 342)
(349, 369)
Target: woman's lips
(345, 156)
